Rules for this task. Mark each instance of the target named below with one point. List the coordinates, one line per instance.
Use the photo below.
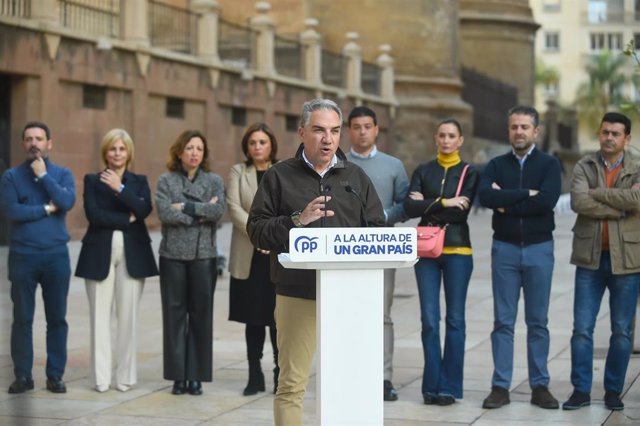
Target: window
(605, 11)
(637, 10)
(597, 42)
(614, 42)
(597, 11)
(175, 108)
(551, 5)
(551, 89)
(238, 116)
(291, 123)
(608, 41)
(636, 40)
(94, 97)
(552, 40)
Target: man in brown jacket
(606, 251)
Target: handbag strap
(464, 173)
(462, 176)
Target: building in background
(157, 67)
(571, 32)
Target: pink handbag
(430, 241)
(431, 238)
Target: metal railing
(288, 56)
(333, 69)
(235, 44)
(172, 28)
(607, 17)
(96, 17)
(371, 77)
(17, 8)
(491, 100)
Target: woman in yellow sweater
(432, 197)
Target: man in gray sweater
(391, 183)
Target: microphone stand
(324, 190)
(363, 210)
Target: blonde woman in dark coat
(115, 258)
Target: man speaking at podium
(317, 187)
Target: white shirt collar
(333, 162)
(371, 154)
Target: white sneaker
(102, 388)
(123, 388)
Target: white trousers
(125, 292)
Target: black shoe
(195, 387)
(179, 387)
(443, 400)
(577, 400)
(430, 399)
(498, 397)
(541, 397)
(21, 385)
(390, 393)
(56, 385)
(276, 375)
(255, 384)
(612, 401)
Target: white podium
(349, 264)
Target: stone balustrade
(257, 52)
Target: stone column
(385, 62)
(207, 45)
(353, 52)
(263, 25)
(311, 40)
(499, 36)
(47, 11)
(135, 22)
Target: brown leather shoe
(498, 397)
(541, 397)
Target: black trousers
(187, 317)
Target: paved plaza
(151, 403)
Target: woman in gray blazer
(252, 295)
(190, 201)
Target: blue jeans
(514, 267)
(52, 271)
(623, 294)
(443, 373)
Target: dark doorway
(5, 142)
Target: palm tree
(547, 76)
(604, 90)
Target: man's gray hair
(317, 105)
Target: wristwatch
(295, 218)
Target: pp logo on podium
(304, 244)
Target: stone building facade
(157, 67)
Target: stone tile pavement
(150, 401)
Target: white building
(571, 30)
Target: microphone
(324, 190)
(363, 213)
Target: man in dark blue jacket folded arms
(522, 187)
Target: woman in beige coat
(251, 292)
